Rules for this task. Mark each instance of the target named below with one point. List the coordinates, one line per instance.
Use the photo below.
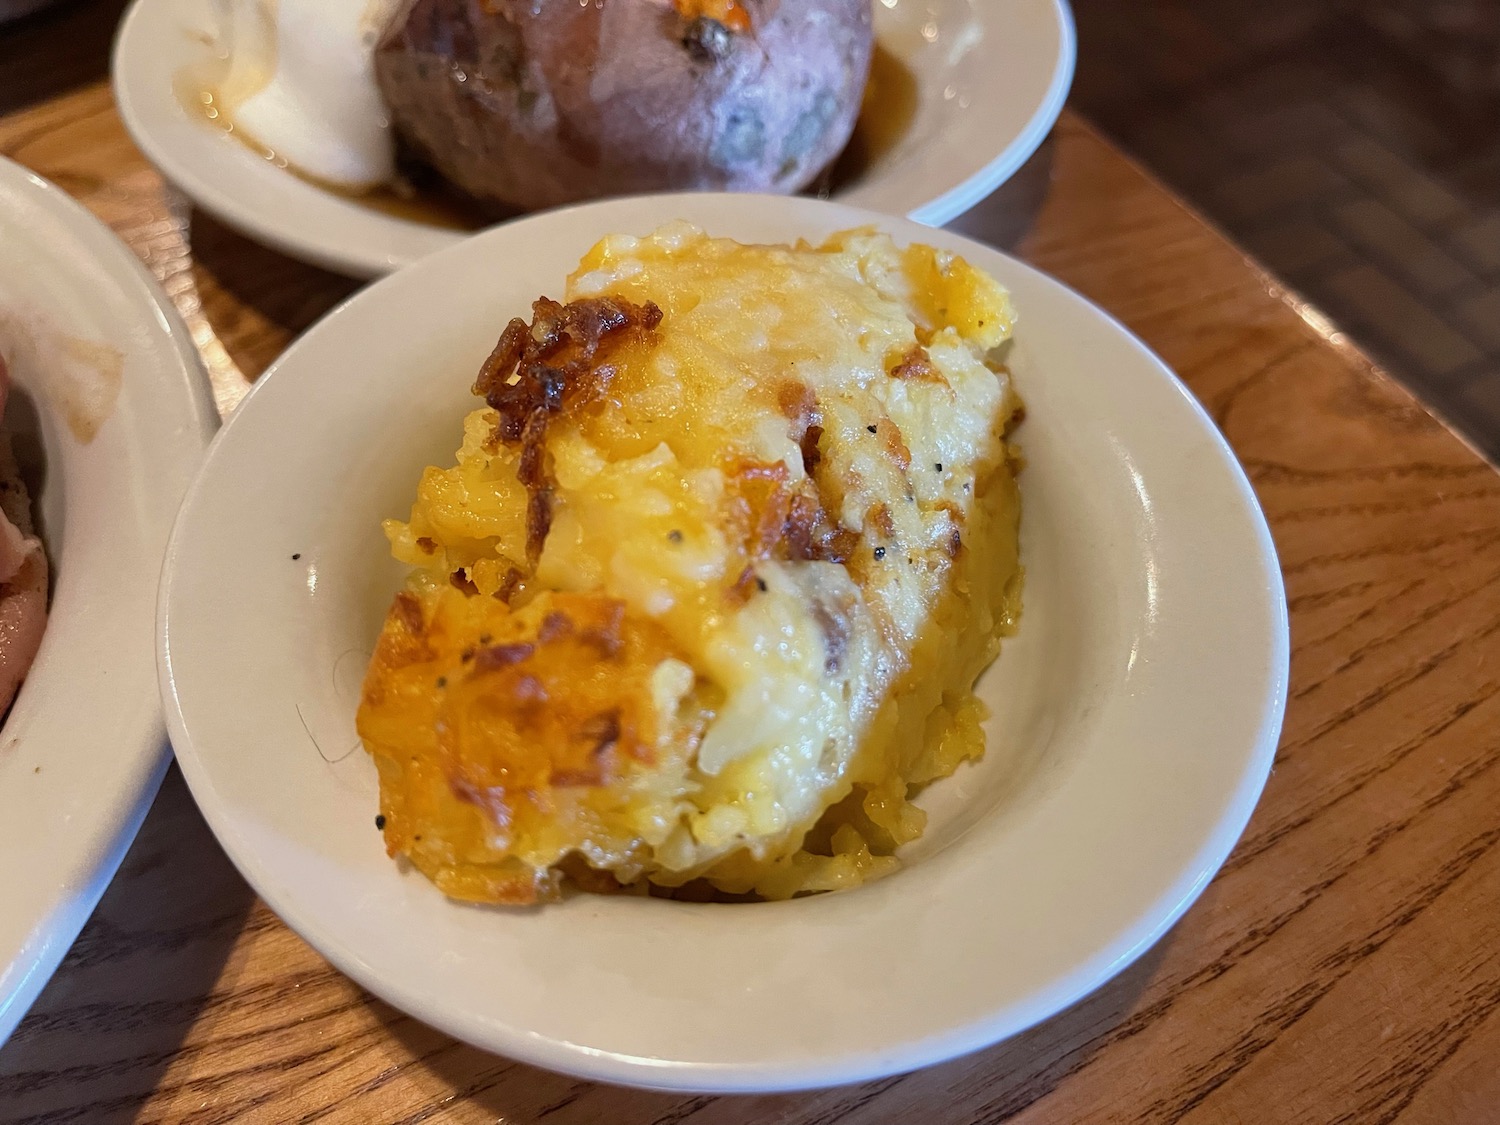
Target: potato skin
(534, 103)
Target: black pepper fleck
(675, 536)
(297, 556)
(879, 553)
(870, 428)
(442, 681)
(761, 583)
(380, 823)
(939, 466)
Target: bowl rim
(1154, 920)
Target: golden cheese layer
(704, 598)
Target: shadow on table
(273, 298)
(55, 50)
(1003, 1080)
(99, 1037)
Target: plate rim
(1123, 949)
(964, 196)
(94, 856)
(340, 256)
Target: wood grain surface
(1345, 965)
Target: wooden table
(1344, 967)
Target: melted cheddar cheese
(705, 595)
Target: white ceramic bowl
(1136, 714)
(991, 79)
(91, 340)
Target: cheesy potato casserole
(702, 603)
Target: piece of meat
(23, 570)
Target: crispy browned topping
(811, 534)
(407, 610)
(796, 401)
(555, 363)
(490, 798)
(780, 520)
(955, 513)
(879, 515)
(603, 730)
(533, 690)
(895, 446)
(491, 657)
(799, 406)
(833, 623)
(916, 364)
(555, 624)
(759, 503)
(520, 713)
(605, 635)
(528, 689)
(538, 523)
(532, 471)
(403, 639)
(811, 454)
(743, 586)
(509, 583)
(802, 519)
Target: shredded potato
(702, 602)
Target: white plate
(992, 76)
(1136, 714)
(83, 749)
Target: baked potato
(534, 103)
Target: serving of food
(706, 594)
(359, 133)
(705, 613)
(457, 113)
(105, 417)
(522, 105)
